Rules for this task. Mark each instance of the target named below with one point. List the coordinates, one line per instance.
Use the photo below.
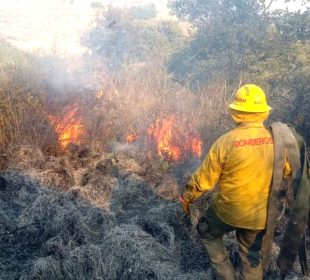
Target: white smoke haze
(55, 25)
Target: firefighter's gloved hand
(185, 205)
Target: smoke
(120, 86)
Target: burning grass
(149, 110)
(171, 142)
(141, 107)
(68, 127)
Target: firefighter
(241, 163)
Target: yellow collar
(249, 124)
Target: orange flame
(197, 146)
(69, 127)
(169, 142)
(132, 137)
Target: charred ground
(100, 216)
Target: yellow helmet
(250, 98)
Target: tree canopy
(122, 36)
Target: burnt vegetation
(95, 151)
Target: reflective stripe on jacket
(241, 161)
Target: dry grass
(140, 95)
(129, 102)
(22, 118)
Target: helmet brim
(239, 108)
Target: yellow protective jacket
(241, 161)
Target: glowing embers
(68, 127)
(172, 141)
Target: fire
(132, 137)
(171, 141)
(68, 127)
(197, 146)
(100, 94)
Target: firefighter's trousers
(211, 230)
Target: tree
(226, 31)
(201, 13)
(121, 37)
